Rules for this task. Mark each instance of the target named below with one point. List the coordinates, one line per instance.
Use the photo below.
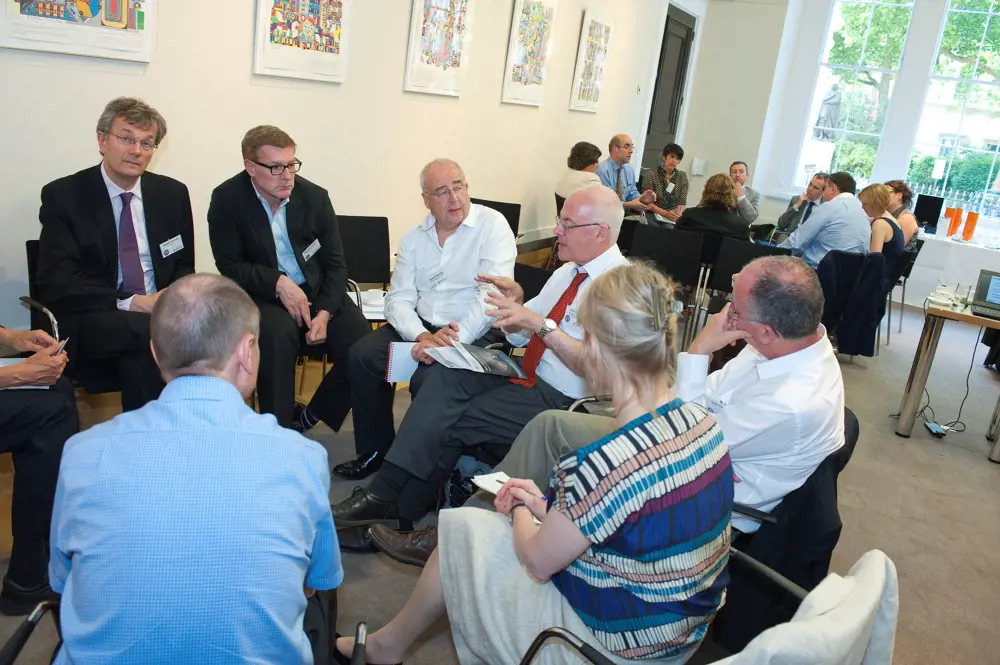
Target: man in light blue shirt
(840, 223)
(193, 529)
(616, 172)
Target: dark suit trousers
(35, 424)
(117, 341)
(282, 341)
(456, 409)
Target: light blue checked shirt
(185, 531)
(607, 171)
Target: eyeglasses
(130, 142)
(278, 169)
(444, 193)
(566, 227)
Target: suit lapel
(156, 231)
(257, 219)
(104, 220)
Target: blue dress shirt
(185, 531)
(282, 243)
(840, 223)
(607, 171)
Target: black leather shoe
(363, 508)
(357, 539)
(298, 423)
(15, 600)
(360, 468)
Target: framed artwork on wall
(437, 57)
(116, 29)
(591, 59)
(529, 51)
(303, 39)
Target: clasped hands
(520, 490)
(45, 366)
(294, 300)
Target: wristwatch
(548, 325)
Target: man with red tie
(456, 409)
(114, 236)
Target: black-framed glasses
(566, 227)
(130, 142)
(278, 169)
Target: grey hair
(198, 322)
(440, 161)
(136, 112)
(786, 296)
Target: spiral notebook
(401, 365)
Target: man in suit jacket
(114, 236)
(747, 199)
(285, 251)
(801, 207)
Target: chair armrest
(34, 304)
(767, 573)
(353, 286)
(587, 651)
(588, 400)
(754, 514)
(13, 647)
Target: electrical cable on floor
(953, 425)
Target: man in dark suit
(285, 252)
(114, 236)
(801, 207)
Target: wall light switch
(698, 166)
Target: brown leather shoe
(410, 547)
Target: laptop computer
(987, 299)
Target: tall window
(958, 137)
(861, 60)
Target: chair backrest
(626, 236)
(531, 279)
(560, 200)
(366, 248)
(675, 253)
(38, 320)
(733, 255)
(510, 211)
(908, 259)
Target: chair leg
(302, 377)
(878, 339)
(324, 365)
(901, 302)
(888, 327)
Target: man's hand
(636, 204)
(317, 328)
(739, 188)
(512, 316)
(673, 215)
(446, 336)
(28, 340)
(648, 197)
(144, 304)
(718, 333)
(42, 369)
(294, 300)
(802, 201)
(508, 287)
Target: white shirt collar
(842, 195)
(261, 198)
(115, 191)
(601, 264)
(801, 358)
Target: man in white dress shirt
(456, 409)
(434, 299)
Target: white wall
(365, 140)
(728, 101)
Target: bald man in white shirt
(434, 298)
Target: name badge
(311, 250)
(670, 187)
(436, 280)
(171, 246)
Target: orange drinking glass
(970, 226)
(956, 221)
(949, 214)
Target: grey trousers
(549, 436)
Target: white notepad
(401, 365)
(491, 482)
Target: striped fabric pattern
(655, 499)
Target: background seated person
(194, 528)
(617, 174)
(277, 237)
(840, 223)
(714, 213)
(747, 198)
(644, 561)
(581, 172)
(114, 236)
(899, 208)
(457, 409)
(800, 208)
(780, 402)
(35, 425)
(887, 236)
(669, 183)
(434, 300)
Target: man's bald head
(198, 323)
(598, 205)
(589, 224)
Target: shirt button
(567, 318)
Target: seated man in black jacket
(114, 236)
(714, 213)
(285, 252)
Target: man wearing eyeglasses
(284, 249)
(114, 236)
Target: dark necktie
(618, 183)
(809, 209)
(128, 250)
(536, 347)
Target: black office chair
(908, 259)
(366, 248)
(676, 254)
(560, 201)
(626, 236)
(510, 211)
(732, 256)
(531, 279)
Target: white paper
(491, 482)
(10, 362)
(401, 364)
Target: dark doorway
(668, 96)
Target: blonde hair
(719, 192)
(878, 197)
(630, 318)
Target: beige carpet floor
(932, 505)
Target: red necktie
(536, 347)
